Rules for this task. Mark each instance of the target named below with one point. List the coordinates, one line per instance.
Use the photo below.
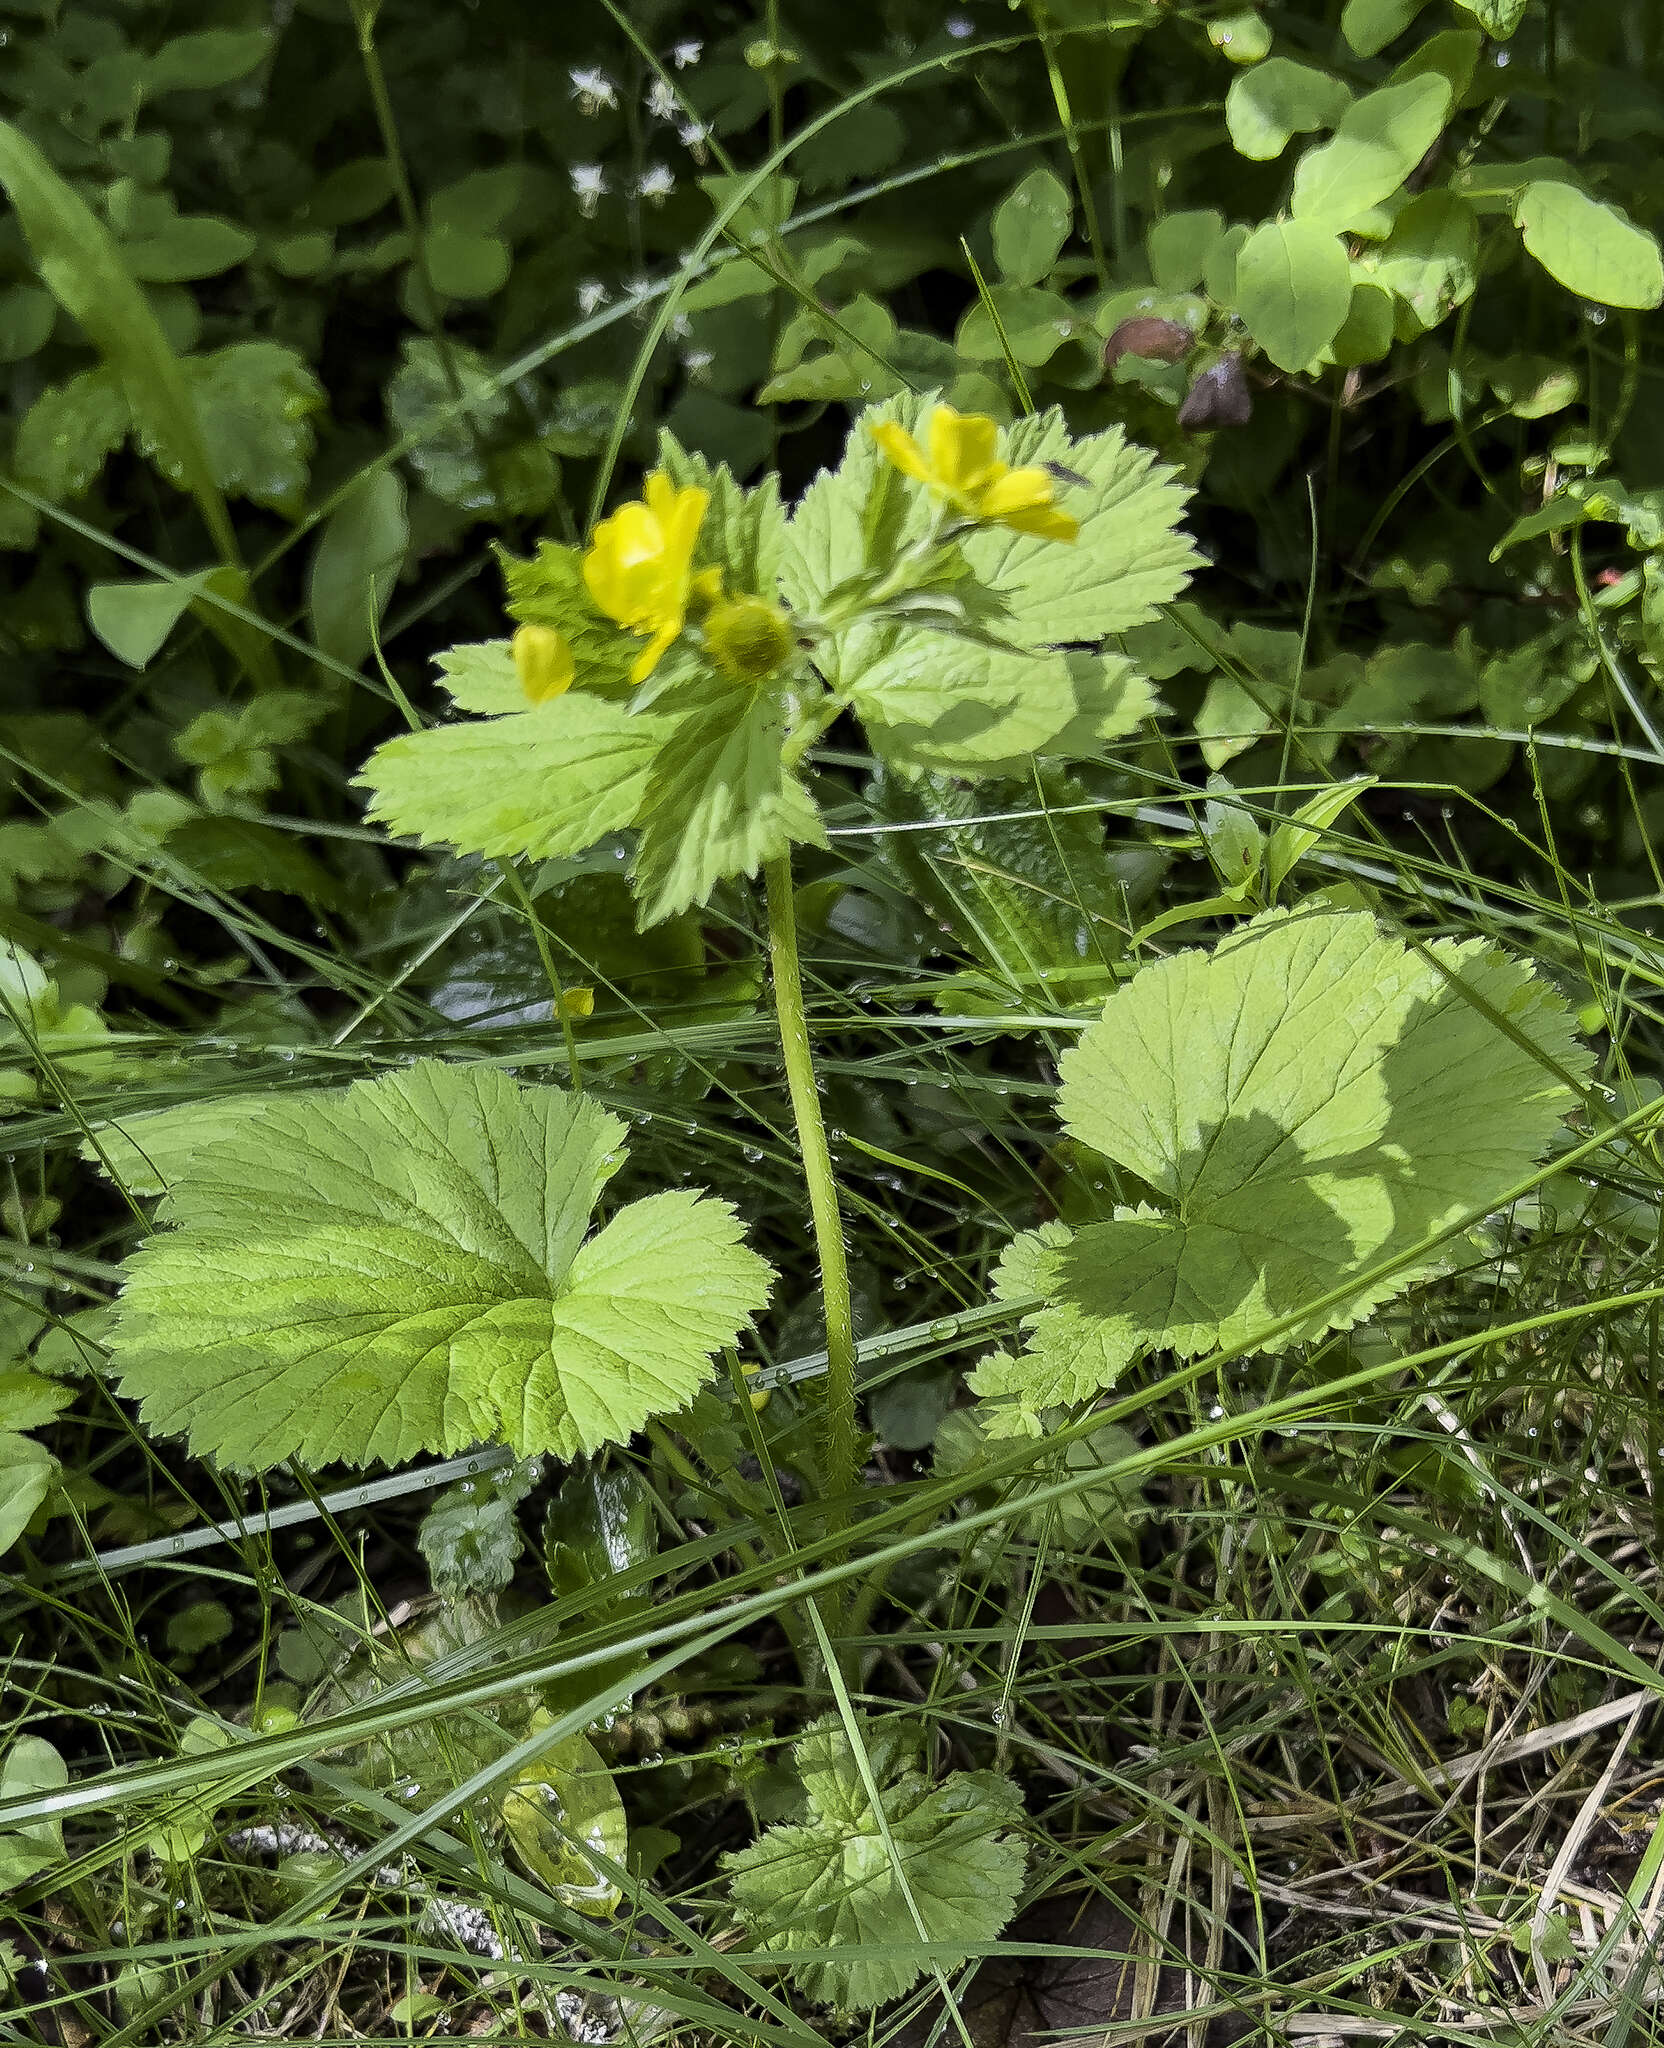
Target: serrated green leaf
(1112, 700)
(66, 435)
(482, 678)
(719, 801)
(1591, 248)
(1033, 896)
(1293, 289)
(255, 400)
(471, 1536)
(403, 1266)
(1380, 140)
(28, 1399)
(81, 267)
(355, 566)
(867, 137)
(1273, 102)
(1310, 1100)
(478, 455)
(1081, 1520)
(240, 853)
(829, 1882)
(551, 780)
(547, 589)
(1069, 1356)
(937, 701)
(1030, 226)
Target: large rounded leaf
(1594, 250)
(1293, 288)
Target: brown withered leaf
(1158, 341)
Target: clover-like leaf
(404, 1266)
(828, 1882)
(1310, 1102)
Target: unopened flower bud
(543, 662)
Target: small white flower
(592, 296)
(680, 327)
(593, 90)
(959, 26)
(662, 102)
(693, 135)
(656, 184)
(685, 53)
(589, 182)
(696, 361)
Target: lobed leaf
(1311, 1100)
(404, 1266)
(812, 1887)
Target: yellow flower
(543, 662)
(747, 637)
(963, 468)
(639, 568)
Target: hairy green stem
(787, 978)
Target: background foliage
(307, 312)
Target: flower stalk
(787, 979)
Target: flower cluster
(638, 569)
(962, 469)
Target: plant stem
(818, 1178)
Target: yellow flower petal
(1025, 499)
(1046, 522)
(902, 450)
(653, 653)
(962, 445)
(639, 567)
